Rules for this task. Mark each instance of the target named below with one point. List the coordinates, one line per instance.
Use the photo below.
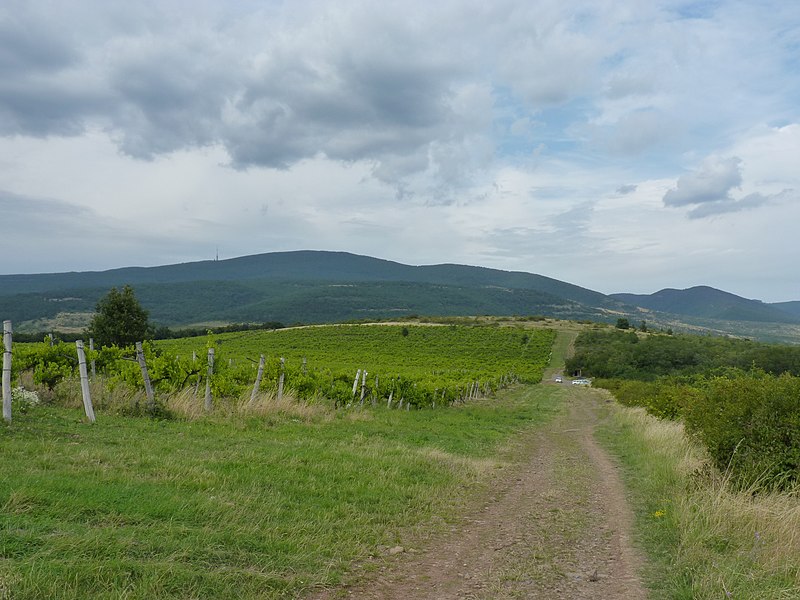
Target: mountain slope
(709, 303)
(791, 308)
(304, 286)
(303, 265)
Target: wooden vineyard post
(148, 388)
(91, 347)
(363, 385)
(375, 392)
(196, 383)
(259, 375)
(87, 398)
(280, 379)
(391, 394)
(7, 335)
(355, 383)
(208, 378)
(304, 367)
(50, 338)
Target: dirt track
(556, 527)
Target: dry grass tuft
(186, 404)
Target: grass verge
(234, 506)
(703, 539)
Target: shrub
(751, 426)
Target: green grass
(231, 507)
(704, 539)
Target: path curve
(557, 527)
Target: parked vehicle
(581, 381)
(558, 379)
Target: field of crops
(409, 366)
(418, 363)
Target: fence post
(355, 383)
(91, 347)
(7, 335)
(148, 388)
(280, 379)
(259, 375)
(87, 398)
(363, 385)
(208, 378)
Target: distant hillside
(306, 286)
(709, 303)
(304, 265)
(790, 308)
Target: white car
(558, 379)
(581, 381)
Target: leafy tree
(119, 319)
(623, 323)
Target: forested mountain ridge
(707, 302)
(317, 287)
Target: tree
(119, 319)
(623, 323)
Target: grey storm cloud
(275, 84)
(25, 215)
(712, 183)
(271, 101)
(750, 201)
(708, 190)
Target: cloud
(751, 201)
(713, 182)
(708, 190)
(31, 226)
(26, 216)
(624, 190)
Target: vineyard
(275, 504)
(402, 366)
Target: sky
(620, 145)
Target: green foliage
(120, 319)
(422, 364)
(750, 424)
(739, 398)
(50, 364)
(614, 353)
(664, 398)
(623, 323)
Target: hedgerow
(746, 414)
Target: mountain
(321, 287)
(304, 286)
(303, 265)
(710, 303)
(791, 308)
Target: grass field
(233, 508)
